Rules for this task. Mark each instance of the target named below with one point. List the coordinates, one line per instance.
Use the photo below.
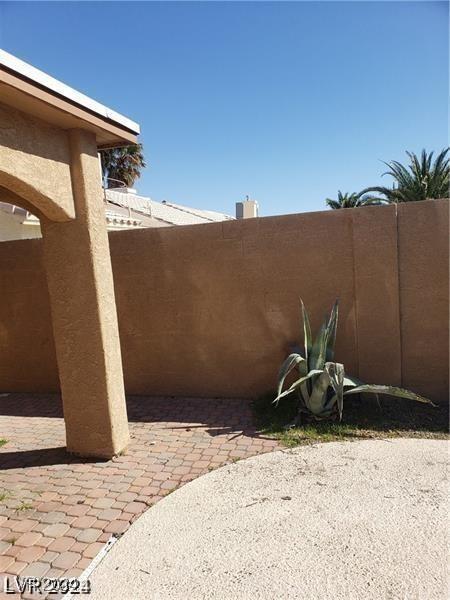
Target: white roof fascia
(22, 68)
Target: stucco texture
(35, 164)
(211, 310)
(79, 277)
(54, 172)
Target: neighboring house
(124, 209)
(160, 214)
(17, 223)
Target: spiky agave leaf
(324, 343)
(332, 328)
(291, 361)
(388, 390)
(303, 365)
(307, 337)
(298, 384)
(318, 397)
(336, 373)
(305, 388)
(352, 381)
(317, 350)
(347, 381)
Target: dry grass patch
(362, 419)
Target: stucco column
(80, 283)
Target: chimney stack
(246, 209)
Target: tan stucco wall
(27, 355)
(35, 163)
(424, 295)
(210, 310)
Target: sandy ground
(353, 520)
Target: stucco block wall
(424, 296)
(27, 350)
(211, 310)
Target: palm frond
(422, 179)
(123, 164)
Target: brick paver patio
(58, 511)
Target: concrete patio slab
(350, 520)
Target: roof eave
(25, 84)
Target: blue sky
(287, 102)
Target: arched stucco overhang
(23, 194)
(49, 140)
(35, 164)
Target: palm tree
(422, 179)
(352, 201)
(122, 165)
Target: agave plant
(322, 383)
